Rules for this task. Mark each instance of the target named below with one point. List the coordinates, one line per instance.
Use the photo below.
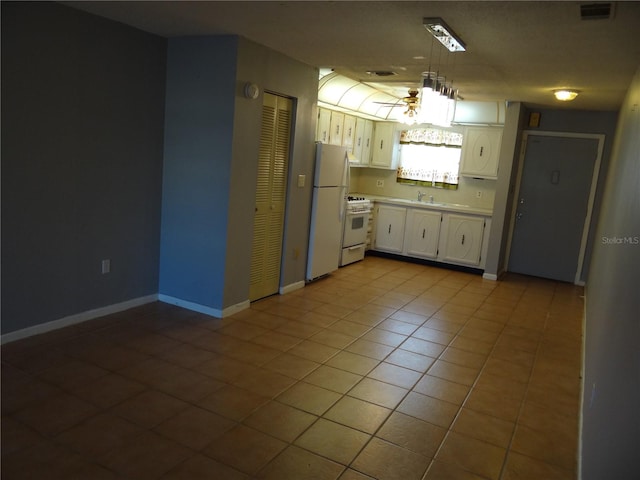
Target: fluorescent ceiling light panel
(444, 34)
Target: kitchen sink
(417, 202)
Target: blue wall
(82, 134)
(200, 98)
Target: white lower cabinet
(422, 233)
(456, 238)
(461, 239)
(390, 222)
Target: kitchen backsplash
(473, 192)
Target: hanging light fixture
(444, 34)
(437, 98)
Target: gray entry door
(552, 206)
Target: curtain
(430, 157)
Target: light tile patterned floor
(386, 370)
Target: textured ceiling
(517, 51)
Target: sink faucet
(420, 195)
(430, 198)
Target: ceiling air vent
(381, 73)
(596, 11)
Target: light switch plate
(301, 180)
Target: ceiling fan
(411, 101)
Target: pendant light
(437, 98)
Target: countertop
(446, 207)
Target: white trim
(291, 287)
(592, 192)
(76, 318)
(196, 307)
(238, 307)
(582, 384)
(587, 222)
(490, 276)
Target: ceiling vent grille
(381, 73)
(596, 11)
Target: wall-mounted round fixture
(565, 95)
(251, 90)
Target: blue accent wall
(200, 96)
(82, 136)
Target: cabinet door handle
(423, 232)
(368, 142)
(381, 144)
(462, 239)
(389, 228)
(481, 150)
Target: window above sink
(430, 157)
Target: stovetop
(358, 204)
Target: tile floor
(386, 370)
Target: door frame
(592, 191)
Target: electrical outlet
(479, 194)
(379, 183)
(105, 266)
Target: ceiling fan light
(565, 95)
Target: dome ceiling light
(565, 95)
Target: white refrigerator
(330, 189)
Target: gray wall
(82, 133)
(505, 189)
(279, 74)
(611, 424)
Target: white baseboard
(238, 307)
(196, 307)
(490, 276)
(76, 318)
(291, 287)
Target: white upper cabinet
(324, 123)
(481, 152)
(336, 128)
(367, 140)
(349, 132)
(386, 146)
(362, 142)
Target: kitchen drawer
(352, 254)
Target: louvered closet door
(268, 224)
